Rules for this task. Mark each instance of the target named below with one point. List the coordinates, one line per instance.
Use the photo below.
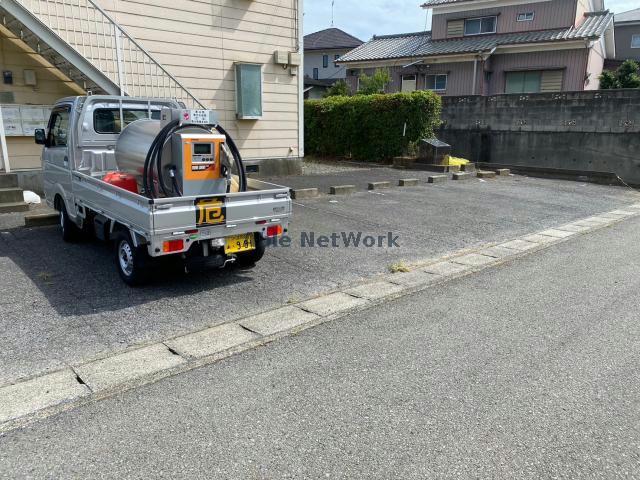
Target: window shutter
(551, 81)
(455, 28)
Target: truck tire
(249, 259)
(132, 262)
(70, 231)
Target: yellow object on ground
(449, 160)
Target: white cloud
(380, 17)
(619, 6)
(364, 19)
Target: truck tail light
(274, 230)
(173, 246)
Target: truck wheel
(249, 259)
(132, 262)
(70, 231)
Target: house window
(525, 17)
(635, 41)
(408, 83)
(325, 61)
(335, 60)
(248, 91)
(436, 82)
(316, 74)
(480, 26)
(523, 82)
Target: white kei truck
(156, 179)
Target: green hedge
(369, 127)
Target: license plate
(239, 243)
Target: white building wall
(313, 59)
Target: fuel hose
(153, 161)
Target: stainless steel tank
(133, 145)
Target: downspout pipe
(475, 74)
(484, 58)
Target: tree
(626, 76)
(338, 89)
(608, 80)
(374, 83)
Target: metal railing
(95, 35)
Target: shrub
(627, 76)
(370, 127)
(374, 83)
(338, 89)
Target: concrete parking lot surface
(64, 304)
(524, 370)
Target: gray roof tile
(421, 45)
(431, 3)
(331, 38)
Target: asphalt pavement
(525, 370)
(65, 304)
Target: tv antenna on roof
(332, 3)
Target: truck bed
(160, 217)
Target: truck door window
(59, 127)
(107, 120)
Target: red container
(122, 180)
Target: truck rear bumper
(182, 242)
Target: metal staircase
(86, 44)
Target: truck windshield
(107, 120)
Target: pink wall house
(488, 47)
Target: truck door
(57, 165)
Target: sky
(363, 19)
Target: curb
(408, 182)
(378, 185)
(41, 219)
(485, 174)
(461, 176)
(302, 193)
(438, 178)
(29, 400)
(342, 189)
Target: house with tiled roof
(321, 50)
(627, 28)
(487, 47)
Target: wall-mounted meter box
(198, 117)
(30, 78)
(198, 163)
(281, 57)
(295, 59)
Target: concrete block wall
(591, 131)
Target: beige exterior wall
(16, 57)
(595, 65)
(199, 42)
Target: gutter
(479, 56)
(301, 90)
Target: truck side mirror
(41, 136)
